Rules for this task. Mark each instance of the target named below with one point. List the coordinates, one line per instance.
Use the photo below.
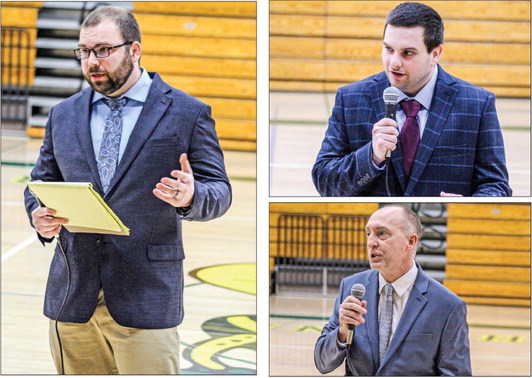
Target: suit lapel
(153, 110)
(382, 83)
(415, 304)
(370, 326)
(372, 323)
(442, 101)
(82, 111)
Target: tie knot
(410, 107)
(115, 103)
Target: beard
(115, 80)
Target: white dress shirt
(402, 287)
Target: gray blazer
(141, 274)
(431, 337)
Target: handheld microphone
(390, 96)
(357, 290)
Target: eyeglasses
(99, 52)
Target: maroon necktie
(409, 134)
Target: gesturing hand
(444, 194)
(178, 192)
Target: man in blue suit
(406, 324)
(446, 140)
(152, 152)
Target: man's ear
(136, 51)
(413, 240)
(436, 54)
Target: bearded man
(152, 153)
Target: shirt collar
(138, 92)
(424, 96)
(403, 283)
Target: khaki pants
(101, 346)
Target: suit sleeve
(339, 170)
(490, 174)
(212, 191)
(454, 358)
(45, 169)
(328, 355)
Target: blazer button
(97, 242)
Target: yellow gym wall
(207, 49)
(488, 246)
(318, 46)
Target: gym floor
(499, 337)
(218, 334)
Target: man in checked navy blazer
(460, 147)
(429, 331)
(125, 298)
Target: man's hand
(178, 192)
(45, 223)
(350, 312)
(384, 138)
(443, 194)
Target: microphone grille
(358, 290)
(390, 95)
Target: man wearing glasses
(152, 152)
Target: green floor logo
(502, 339)
(238, 277)
(227, 333)
(21, 179)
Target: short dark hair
(124, 19)
(415, 14)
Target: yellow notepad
(81, 205)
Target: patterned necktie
(409, 135)
(385, 321)
(108, 156)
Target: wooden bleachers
(207, 49)
(324, 210)
(488, 245)
(321, 45)
(18, 51)
(488, 253)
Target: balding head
(411, 224)
(393, 235)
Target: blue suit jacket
(141, 274)
(431, 337)
(461, 150)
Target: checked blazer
(461, 150)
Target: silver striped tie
(385, 321)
